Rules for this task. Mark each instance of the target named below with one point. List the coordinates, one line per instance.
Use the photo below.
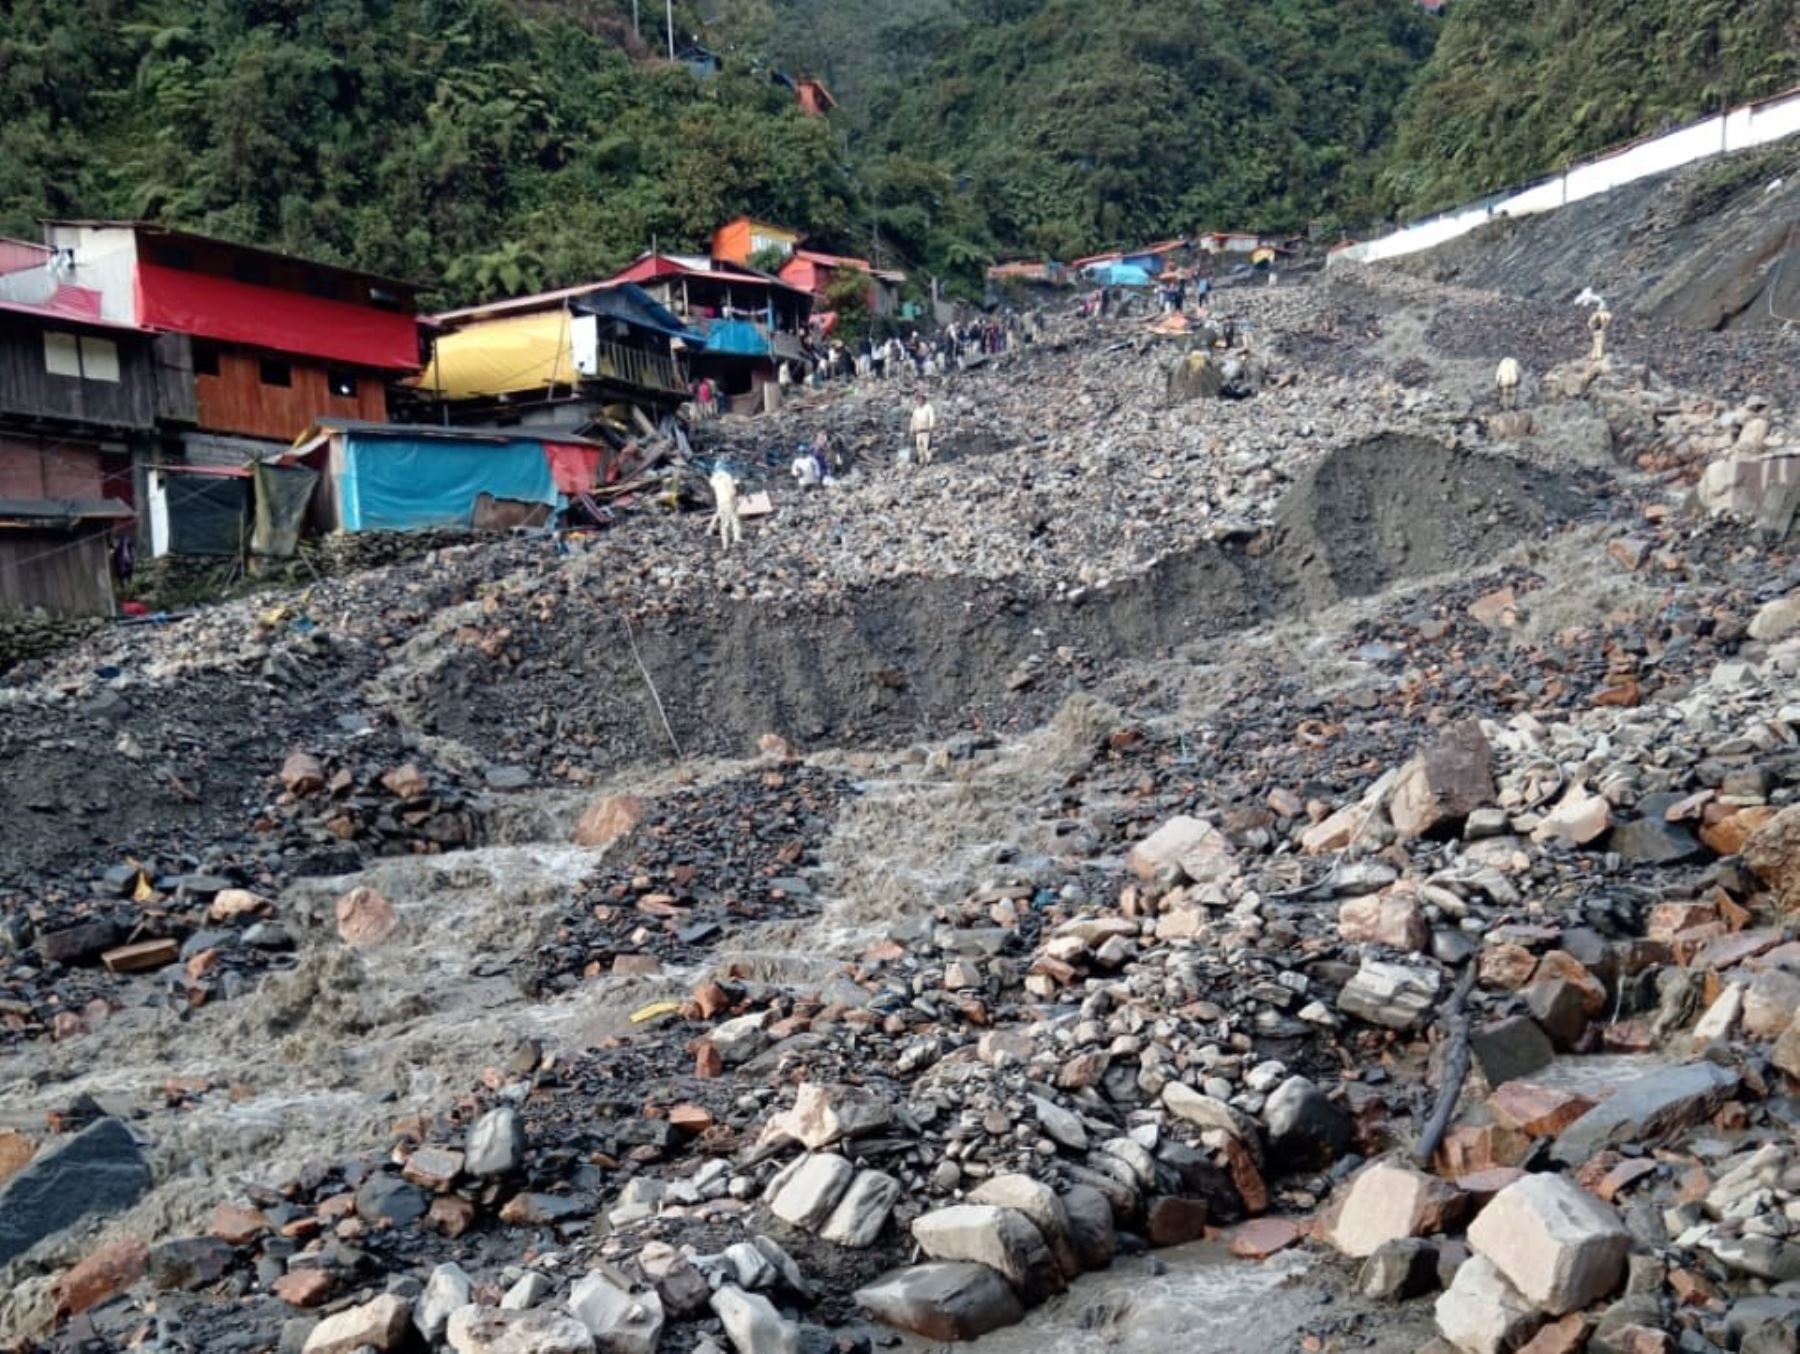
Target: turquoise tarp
(1119, 275)
(399, 484)
(736, 338)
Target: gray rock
(96, 1171)
(1645, 1110)
(447, 1289)
(1064, 1127)
(620, 1321)
(1481, 1313)
(945, 1301)
(807, 1195)
(189, 1262)
(1041, 1207)
(1000, 1238)
(1765, 1325)
(1655, 840)
(496, 1144)
(1090, 1226)
(531, 1289)
(1509, 1049)
(1559, 1009)
(1556, 1243)
(863, 1211)
(78, 943)
(1306, 1131)
(487, 1330)
(752, 1323)
(1406, 1267)
(388, 1198)
(1395, 995)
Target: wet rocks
(952, 1300)
(752, 1324)
(1558, 1245)
(98, 1170)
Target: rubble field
(1315, 870)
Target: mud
(886, 664)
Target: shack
(411, 477)
(56, 554)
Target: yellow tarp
(498, 357)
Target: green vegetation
(494, 146)
(488, 145)
(1517, 88)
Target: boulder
(1194, 847)
(448, 1289)
(1776, 620)
(945, 1301)
(1577, 819)
(381, 1324)
(621, 1322)
(608, 819)
(1387, 1200)
(487, 1330)
(1406, 1267)
(96, 1171)
(1090, 1226)
(1507, 1050)
(1645, 1110)
(822, 1115)
(1557, 1244)
(752, 1324)
(1482, 1313)
(1773, 853)
(1539, 1111)
(1000, 1238)
(1446, 782)
(1770, 1003)
(807, 1195)
(496, 1144)
(1197, 1107)
(863, 1211)
(1306, 1131)
(101, 1276)
(1394, 995)
(1041, 1207)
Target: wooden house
(268, 342)
(743, 238)
(56, 554)
(815, 100)
(811, 271)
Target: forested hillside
(1518, 87)
(490, 146)
(487, 145)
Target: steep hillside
(1517, 87)
(496, 146)
(1716, 246)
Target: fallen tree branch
(1456, 1069)
(661, 714)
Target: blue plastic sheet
(398, 484)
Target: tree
(848, 293)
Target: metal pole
(670, 5)
(635, 27)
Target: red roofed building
(270, 343)
(815, 99)
(812, 271)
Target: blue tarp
(736, 338)
(406, 484)
(1119, 275)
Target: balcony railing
(641, 370)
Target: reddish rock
(1260, 1238)
(1691, 1289)
(1393, 919)
(1446, 782)
(1245, 1176)
(303, 1287)
(707, 1062)
(406, 782)
(106, 1273)
(1668, 920)
(365, 919)
(1538, 1111)
(1773, 853)
(1481, 1186)
(1622, 1176)
(15, 1151)
(1566, 1336)
(711, 1000)
(1561, 965)
(1639, 1340)
(1175, 1221)
(302, 773)
(607, 820)
(142, 956)
(640, 965)
(1508, 967)
(237, 1226)
(450, 1214)
(1387, 1200)
(1730, 831)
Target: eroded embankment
(883, 665)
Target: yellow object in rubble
(656, 1010)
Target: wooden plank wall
(27, 388)
(237, 401)
(65, 573)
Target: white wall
(1752, 125)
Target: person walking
(924, 424)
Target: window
(84, 358)
(342, 383)
(99, 359)
(383, 299)
(206, 360)
(251, 269)
(62, 354)
(276, 373)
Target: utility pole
(635, 27)
(670, 5)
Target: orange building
(740, 240)
(815, 99)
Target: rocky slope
(1104, 850)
